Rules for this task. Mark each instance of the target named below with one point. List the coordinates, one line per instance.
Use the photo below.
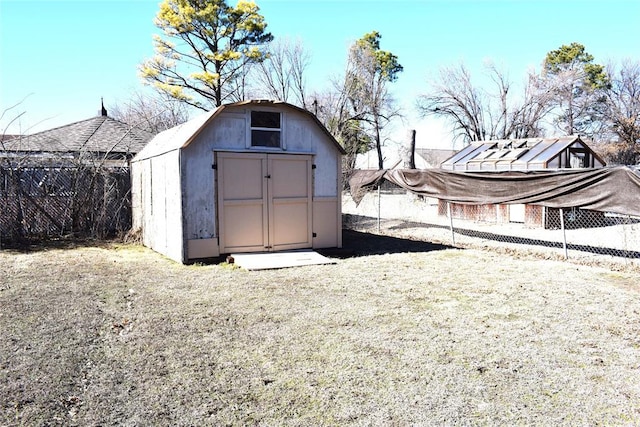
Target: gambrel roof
(100, 134)
(181, 136)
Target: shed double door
(264, 202)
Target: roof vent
(103, 111)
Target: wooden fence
(42, 202)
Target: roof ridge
(84, 140)
(128, 125)
(96, 134)
(86, 120)
(59, 127)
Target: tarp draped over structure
(614, 189)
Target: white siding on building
(159, 207)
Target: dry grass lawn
(118, 335)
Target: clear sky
(58, 58)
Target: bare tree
(478, 114)
(9, 179)
(623, 113)
(300, 61)
(454, 98)
(153, 113)
(359, 105)
(240, 88)
(521, 118)
(334, 109)
(529, 118)
(282, 75)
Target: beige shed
(252, 176)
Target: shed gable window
(265, 129)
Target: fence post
(379, 204)
(453, 234)
(564, 234)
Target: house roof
(7, 137)
(515, 154)
(181, 136)
(391, 159)
(98, 134)
(435, 156)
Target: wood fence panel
(41, 202)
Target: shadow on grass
(51, 243)
(354, 243)
(358, 243)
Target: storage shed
(252, 176)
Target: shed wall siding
(137, 213)
(147, 220)
(303, 135)
(226, 132)
(198, 178)
(229, 132)
(298, 132)
(160, 204)
(175, 236)
(175, 193)
(328, 171)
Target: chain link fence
(572, 233)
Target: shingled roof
(100, 134)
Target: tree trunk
(379, 148)
(409, 151)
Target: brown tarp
(611, 189)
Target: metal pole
(379, 208)
(453, 234)
(564, 234)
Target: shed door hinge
(214, 166)
(313, 166)
(315, 234)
